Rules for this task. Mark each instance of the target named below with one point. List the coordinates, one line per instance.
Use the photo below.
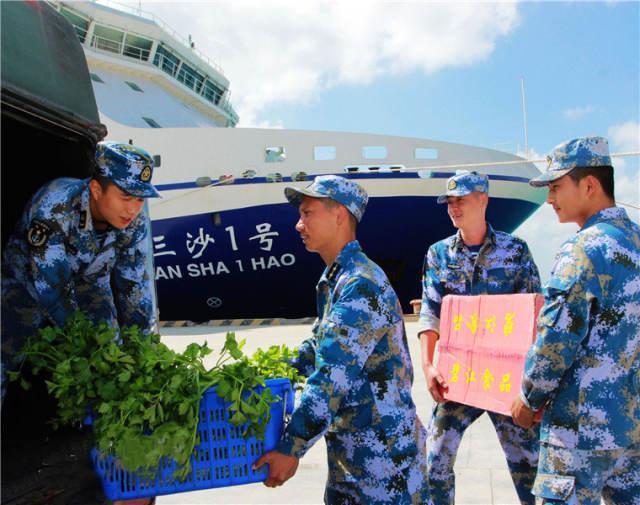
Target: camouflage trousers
(367, 479)
(572, 477)
(390, 491)
(449, 420)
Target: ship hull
(249, 262)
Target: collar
(608, 214)
(489, 239)
(344, 257)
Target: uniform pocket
(552, 487)
(501, 280)
(454, 280)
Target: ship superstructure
(224, 240)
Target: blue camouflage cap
(583, 152)
(342, 190)
(129, 167)
(463, 183)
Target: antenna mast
(524, 119)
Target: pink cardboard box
(482, 347)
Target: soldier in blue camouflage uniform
(477, 260)
(358, 392)
(79, 245)
(584, 368)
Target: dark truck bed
(50, 126)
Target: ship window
(137, 47)
(96, 78)
(323, 153)
(80, 24)
(166, 60)
(212, 92)
(151, 122)
(374, 152)
(275, 154)
(107, 39)
(425, 153)
(134, 86)
(190, 77)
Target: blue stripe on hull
(251, 263)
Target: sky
(443, 71)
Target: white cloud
(577, 112)
(289, 52)
(544, 235)
(626, 136)
(534, 155)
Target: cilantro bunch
(143, 396)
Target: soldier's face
(317, 225)
(467, 211)
(567, 198)
(114, 206)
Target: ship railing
(119, 47)
(182, 75)
(165, 64)
(196, 84)
(106, 44)
(81, 32)
(151, 17)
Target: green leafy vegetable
(143, 395)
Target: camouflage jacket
(586, 358)
(55, 251)
(360, 374)
(504, 265)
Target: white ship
(224, 240)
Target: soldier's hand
(435, 383)
(281, 467)
(522, 415)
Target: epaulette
(333, 271)
(83, 219)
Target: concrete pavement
(482, 477)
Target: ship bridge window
(190, 77)
(96, 78)
(107, 39)
(212, 92)
(166, 60)
(275, 154)
(134, 86)
(137, 47)
(374, 152)
(323, 153)
(80, 24)
(151, 122)
(425, 153)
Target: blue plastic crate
(222, 458)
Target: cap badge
(145, 175)
(38, 233)
(549, 161)
(452, 184)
